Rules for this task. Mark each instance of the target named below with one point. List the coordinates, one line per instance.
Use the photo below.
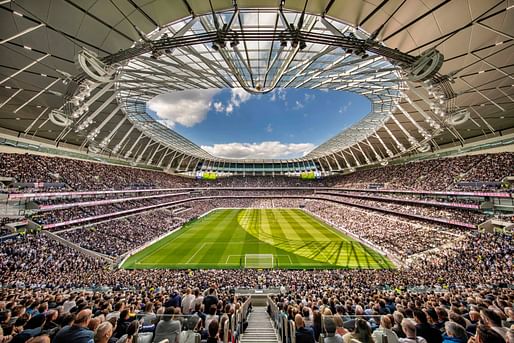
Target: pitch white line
(229, 256)
(203, 245)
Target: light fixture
(155, 54)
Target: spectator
(168, 327)
(493, 320)
(385, 329)
(455, 333)
(424, 329)
(212, 331)
(330, 331)
(486, 334)
(103, 332)
(409, 327)
(303, 334)
(361, 334)
(77, 332)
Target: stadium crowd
(61, 215)
(434, 174)
(452, 285)
(461, 280)
(395, 236)
(464, 216)
(118, 236)
(83, 175)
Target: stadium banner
(471, 194)
(310, 175)
(307, 176)
(107, 201)
(63, 194)
(408, 201)
(209, 176)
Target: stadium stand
(115, 227)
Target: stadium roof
(80, 72)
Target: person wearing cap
(78, 331)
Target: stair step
(260, 328)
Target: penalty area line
(197, 251)
(229, 256)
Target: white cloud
(218, 106)
(269, 128)
(239, 96)
(345, 107)
(308, 97)
(186, 108)
(278, 94)
(263, 150)
(298, 105)
(229, 109)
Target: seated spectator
(103, 333)
(494, 321)
(455, 333)
(329, 330)
(409, 327)
(486, 334)
(168, 327)
(424, 329)
(362, 332)
(31, 329)
(149, 316)
(77, 332)
(122, 324)
(385, 329)
(303, 334)
(132, 331)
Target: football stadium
(287, 171)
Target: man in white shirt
(69, 304)
(187, 302)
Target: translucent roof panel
(259, 66)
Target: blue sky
(285, 123)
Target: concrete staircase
(260, 328)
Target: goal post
(259, 261)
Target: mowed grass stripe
(301, 242)
(222, 238)
(322, 239)
(216, 239)
(371, 256)
(328, 240)
(362, 256)
(234, 234)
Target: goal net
(258, 261)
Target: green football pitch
(224, 238)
